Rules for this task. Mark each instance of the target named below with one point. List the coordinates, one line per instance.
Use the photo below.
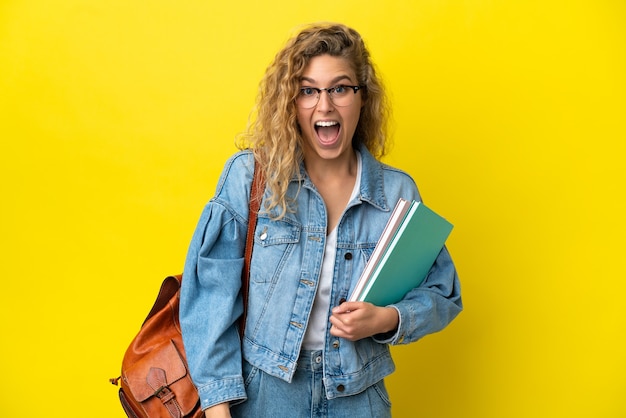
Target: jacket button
(341, 388)
(348, 256)
(335, 344)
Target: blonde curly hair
(273, 133)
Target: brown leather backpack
(155, 380)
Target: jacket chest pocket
(366, 252)
(274, 247)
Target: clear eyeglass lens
(340, 96)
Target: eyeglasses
(340, 95)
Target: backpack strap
(256, 196)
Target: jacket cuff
(392, 337)
(223, 390)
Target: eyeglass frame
(330, 91)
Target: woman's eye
(340, 89)
(307, 91)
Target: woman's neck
(326, 170)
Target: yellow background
(116, 117)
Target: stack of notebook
(405, 252)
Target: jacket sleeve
(210, 305)
(210, 297)
(431, 306)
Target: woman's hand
(221, 410)
(356, 320)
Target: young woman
(307, 352)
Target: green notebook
(402, 261)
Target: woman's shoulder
(383, 183)
(389, 172)
(395, 171)
(398, 180)
(238, 168)
(233, 187)
(240, 161)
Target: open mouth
(327, 131)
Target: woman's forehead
(327, 68)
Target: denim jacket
(285, 268)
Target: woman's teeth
(326, 123)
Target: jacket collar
(372, 188)
(372, 181)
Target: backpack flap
(161, 377)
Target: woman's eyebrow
(333, 81)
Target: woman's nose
(325, 104)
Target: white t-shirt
(316, 330)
